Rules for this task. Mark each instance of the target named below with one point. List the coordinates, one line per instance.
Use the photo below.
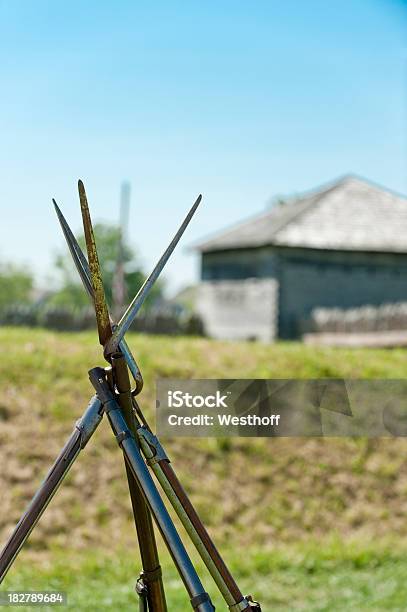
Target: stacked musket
(115, 397)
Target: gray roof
(349, 214)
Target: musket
(119, 379)
(150, 445)
(114, 396)
(82, 432)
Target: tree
(16, 284)
(108, 243)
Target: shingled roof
(349, 214)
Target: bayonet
(86, 277)
(82, 267)
(79, 259)
(131, 312)
(102, 313)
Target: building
(343, 245)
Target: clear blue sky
(237, 100)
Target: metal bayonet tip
(57, 209)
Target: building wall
(239, 264)
(239, 309)
(235, 304)
(309, 279)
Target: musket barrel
(144, 525)
(160, 513)
(83, 430)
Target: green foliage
(71, 294)
(108, 241)
(15, 285)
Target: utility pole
(119, 288)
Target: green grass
(328, 578)
(306, 524)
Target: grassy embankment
(315, 524)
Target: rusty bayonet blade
(102, 313)
(82, 266)
(131, 312)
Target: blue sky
(238, 100)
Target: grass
(306, 524)
(329, 578)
